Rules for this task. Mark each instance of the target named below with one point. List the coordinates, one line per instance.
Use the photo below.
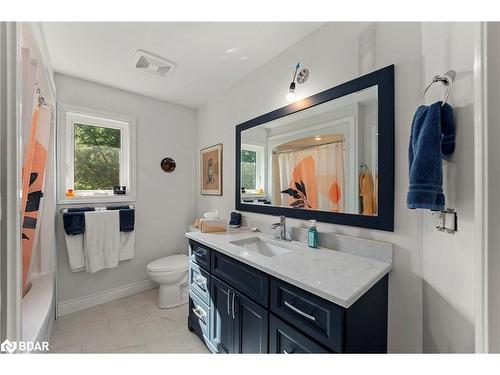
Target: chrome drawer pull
(198, 253)
(232, 304)
(228, 296)
(200, 280)
(199, 314)
(305, 315)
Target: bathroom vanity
(252, 293)
(328, 157)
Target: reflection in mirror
(322, 158)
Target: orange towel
(366, 191)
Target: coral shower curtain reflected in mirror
(311, 178)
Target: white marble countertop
(336, 276)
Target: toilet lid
(170, 263)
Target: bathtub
(38, 309)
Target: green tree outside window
(96, 157)
(249, 169)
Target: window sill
(108, 199)
(251, 195)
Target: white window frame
(68, 116)
(260, 178)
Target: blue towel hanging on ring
(432, 139)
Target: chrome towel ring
(447, 80)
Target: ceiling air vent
(148, 62)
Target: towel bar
(64, 210)
(447, 80)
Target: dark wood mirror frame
(384, 79)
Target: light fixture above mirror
(299, 76)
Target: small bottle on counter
(312, 235)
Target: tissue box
(212, 225)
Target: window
(252, 169)
(249, 169)
(95, 155)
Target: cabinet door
(222, 322)
(251, 322)
(287, 340)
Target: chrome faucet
(282, 226)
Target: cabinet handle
(228, 296)
(305, 315)
(198, 253)
(290, 352)
(199, 314)
(200, 280)
(232, 305)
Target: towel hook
(447, 80)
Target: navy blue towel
(127, 217)
(74, 219)
(127, 220)
(117, 207)
(81, 209)
(74, 222)
(432, 139)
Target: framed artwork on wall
(211, 170)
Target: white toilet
(171, 274)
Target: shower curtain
(36, 140)
(319, 170)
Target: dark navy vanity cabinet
(283, 338)
(238, 325)
(236, 308)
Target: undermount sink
(265, 247)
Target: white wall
(448, 259)
(164, 205)
(334, 54)
(493, 63)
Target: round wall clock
(168, 165)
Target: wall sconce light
(301, 78)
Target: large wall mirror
(328, 157)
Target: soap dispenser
(312, 235)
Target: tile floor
(130, 325)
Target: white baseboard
(72, 305)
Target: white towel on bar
(102, 240)
(76, 253)
(127, 245)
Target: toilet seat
(176, 262)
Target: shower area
(29, 245)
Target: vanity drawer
(285, 339)
(199, 282)
(199, 315)
(313, 315)
(199, 254)
(245, 279)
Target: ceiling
(210, 56)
